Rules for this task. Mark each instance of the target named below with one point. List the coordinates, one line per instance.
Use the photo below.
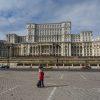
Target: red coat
(41, 75)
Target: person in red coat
(40, 78)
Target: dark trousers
(40, 83)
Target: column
(28, 49)
(69, 49)
(82, 49)
(55, 50)
(35, 50)
(21, 50)
(62, 49)
(79, 49)
(93, 49)
(32, 50)
(18, 51)
(52, 50)
(49, 50)
(10, 51)
(58, 50)
(14, 51)
(40, 49)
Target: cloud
(83, 15)
(14, 14)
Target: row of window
(49, 33)
(49, 40)
(49, 26)
(49, 29)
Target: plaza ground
(59, 85)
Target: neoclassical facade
(52, 39)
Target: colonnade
(35, 50)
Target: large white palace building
(51, 39)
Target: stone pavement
(59, 85)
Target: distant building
(3, 48)
(53, 39)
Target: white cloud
(14, 14)
(83, 15)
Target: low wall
(50, 61)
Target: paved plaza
(59, 85)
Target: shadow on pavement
(48, 86)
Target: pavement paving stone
(59, 85)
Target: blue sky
(15, 14)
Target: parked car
(86, 67)
(4, 67)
